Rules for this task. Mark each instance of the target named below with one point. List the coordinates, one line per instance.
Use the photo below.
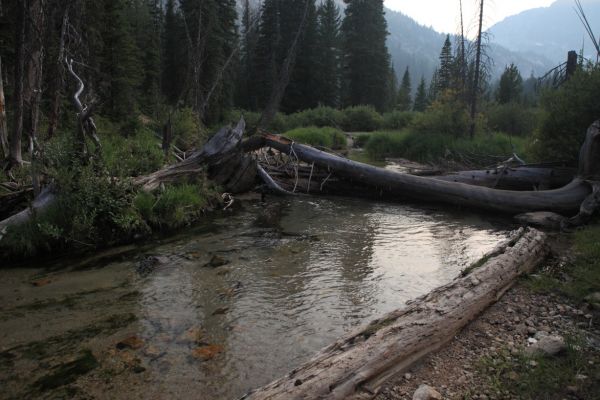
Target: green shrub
(361, 140)
(132, 156)
(187, 133)
(325, 137)
(174, 207)
(434, 147)
(397, 120)
(380, 145)
(319, 117)
(568, 113)
(361, 119)
(91, 210)
(232, 117)
(512, 118)
(448, 118)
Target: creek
(166, 320)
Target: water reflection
(301, 273)
(298, 274)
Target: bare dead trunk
(475, 94)
(3, 124)
(15, 157)
(357, 365)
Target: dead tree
(15, 156)
(476, 78)
(85, 122)
(3, 124)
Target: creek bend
(298, 274)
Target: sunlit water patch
(172, 322)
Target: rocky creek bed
(228, 306)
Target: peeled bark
(357, 365)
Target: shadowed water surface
(298, 274)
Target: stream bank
(489, 358)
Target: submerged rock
(68, 372)
(216, 261)
(206, 353)
(132, 342)
(149, 264)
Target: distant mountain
(418, 47)
(549, 31)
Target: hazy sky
(443, 15)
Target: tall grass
(325, 137)
(432, 147)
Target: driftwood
(356, 366)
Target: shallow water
(300, 273)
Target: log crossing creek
(229, 305)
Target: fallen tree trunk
(566, 200)
(41, 203)
(357, 365)
(515, 178)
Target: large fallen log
(356, 366)
(515, 178)
(566, 200)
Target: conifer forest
(317, 199)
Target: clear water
(300, 273)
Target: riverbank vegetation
(159, 83)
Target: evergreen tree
(120, 61)
(404, 102)
(173, 69)
(446, 70)
(511, 85)
(302, 91)
(246, 87)
(211, 37)
(421, 100)
(433, 91)
(366, 58)
(268, 53)
(329, 54)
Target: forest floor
(489, 360)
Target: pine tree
(433, 91)
(246, 87)
(268, 53)
(511, 85)
(119, 61)
(446, 70)
(421, 100)
(366, 58)
(329, 54)
(302, 91)
(173, 69)
(404, 102)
